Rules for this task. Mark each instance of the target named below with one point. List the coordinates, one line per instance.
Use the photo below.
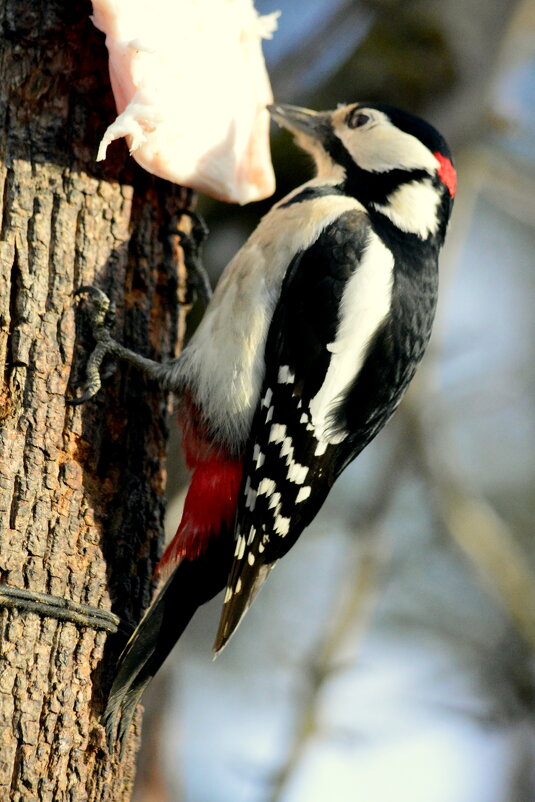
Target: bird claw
(89, 393)
(199, 230)
(191, 244)
(101, 314)
(101, 310)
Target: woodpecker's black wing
(288, 470)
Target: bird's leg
(191, 244)
(101, 312)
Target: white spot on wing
(282, 525)
(297, 473)
(275, 501)
(286, 448)
(252, 533)
(258, 456)
(266, 487)
(277, 433)
(266, 401)
(321, 448)
(250, 500)
(305, 419)
(240, 547)
(286, 376)
(303, 494)
(250, 558)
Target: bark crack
(7, 201)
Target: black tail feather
(193, 583)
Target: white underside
(224, 362)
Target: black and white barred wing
(315, 346)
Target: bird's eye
(357, 119)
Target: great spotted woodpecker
(306, 348)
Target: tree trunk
(81, 489)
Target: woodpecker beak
(298, 120)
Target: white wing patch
(240, 547)
(266, 401)
(297, 473)
(303, 494)
(365, 305)
(277, 433)
(282, 525)
(258, 456)
(266, 487)
(286, 376)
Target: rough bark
(80, 488)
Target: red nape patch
(446, 173)
(210, 503)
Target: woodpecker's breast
(223, 365)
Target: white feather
(223, 365)
(365, 304)
(381, 146)
(413, 208)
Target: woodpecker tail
(192, 583)
(197, 563)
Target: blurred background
(390, 655)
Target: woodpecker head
(395, 164)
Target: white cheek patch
(383, 147)
(413, 208)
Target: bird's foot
(101, 314)
(191, 244)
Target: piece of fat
(191, 89)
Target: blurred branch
(352, 608)
(354, 604)
(508, 182)
(477, 529)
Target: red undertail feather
(211, 499)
